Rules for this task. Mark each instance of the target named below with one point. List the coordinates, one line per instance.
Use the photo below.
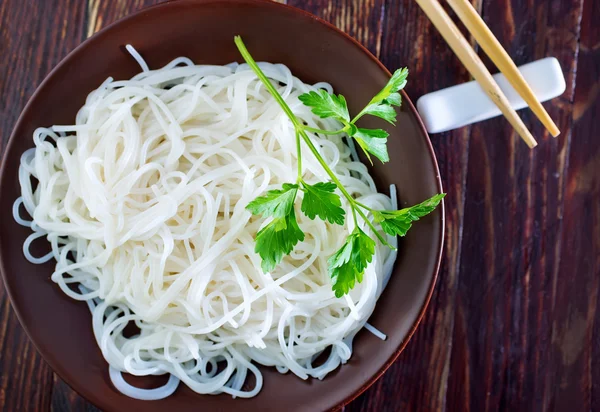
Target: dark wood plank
(65, 399)
(26, 381)
(35, 35)
(362, 19)
(576, 324)
(101, 13)
(502, 350)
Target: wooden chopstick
(474, 65)
(492, 47)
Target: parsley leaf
(398, 222)
(320, 200)
(277, 203)
(277, 239)
(279, 236)
(390, 91)
(373, 141)
(383, 111)
(395, 99)
(348, 264)
(352, 129)
(326, 105)
(382, 104)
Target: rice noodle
(143, 204)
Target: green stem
(347, 195)
(300, 130)
(361, 114)
(374, 229)
(354, 216)
(299, 150)
(358, 116)
(329, 132)
(248, 58)
(323, 164)
(364, 206)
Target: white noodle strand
(375, 331)
(143, 201)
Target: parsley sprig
(278, 238)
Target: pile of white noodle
(143, 203)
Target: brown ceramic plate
(315, 51)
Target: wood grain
(35, 36)
(575, 325)
(514, 200)
(512, 324)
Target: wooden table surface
(513, 322)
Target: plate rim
(62, 372)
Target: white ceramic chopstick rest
(467, 103)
